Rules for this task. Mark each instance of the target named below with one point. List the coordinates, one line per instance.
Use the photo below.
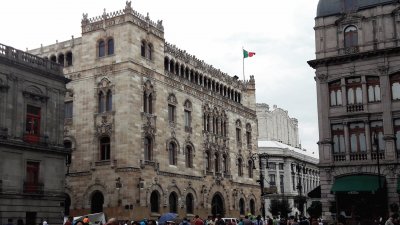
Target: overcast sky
(280, 32)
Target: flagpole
(244, 79)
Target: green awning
(357, 183)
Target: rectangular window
(238, 134)
(281, 181)
(32, 177)
(280, 166)
(397, 133)
(188, 118)
(32, 127)
(354, 91)
(293, 182)
(377, 128)
(171, 113)
(272, 180)
(374, 90)
(68, 110)
(248, 137)
(335, 91)
(395, 85)
(338, 139)
(272, 166)
(357, 137)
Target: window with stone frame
(376, 128)
(188, 116)
(335, 92)
(338, 139)
(109, 101)
(374, 90)
(250, 168)
(68, 109)
(68, 147)
(32, 126)
(172, 153)
(248, 135)
(241, 206)
(110, 46)
(155, 202)
(216, 162)
(396, 123)
(395, 85)
(148, 149)
(357, 137)
(149, 54)
(189, 156)
(354, 91)
(225, 165)
(272, 180)
(240, 167)
(105, 101)
(350, 36)
(101, 48)
(143, 48)
(105, 148)
(69, 59)
(238, 132)
(208, 161)
(148, 98)
(172, 102)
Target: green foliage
(280, 207)
(315, 210)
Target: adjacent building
(357, 79)
(152, 128)
(289, 171)
(32, 155)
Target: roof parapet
(116, 17)
(201, 65)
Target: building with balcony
(358, 86)
(288, 170)
(152, 128)
(32, 155)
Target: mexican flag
(247, 54)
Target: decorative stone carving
(105, 128)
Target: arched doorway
(97, 202)
(173, 202)
(217, 205)
(67, 205)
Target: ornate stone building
(276, 125)
(358, 86)
(152, 128)
(291, 171)
(32, 155)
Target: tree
(315, 210)
(280, 207)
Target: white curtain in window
(350, 96)
(396, 90)
(358, 95)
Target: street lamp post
(299, 166)
(261, 156)
(376, 145)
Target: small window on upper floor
(69, 59)
(350, 36)
(374, 90)
(149, 51)
(143, 49)
(110, 46)
(101, 48)
(335, 92)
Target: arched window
(240, 167)
(102, 50)
(188, 115)
(148, 98)
(166, 64)
(172, 153)
(172, 108)
(252, 207)
(248, 135)
(250, 169)
(350, 37)
(149, 51)
(97, 202)
(101, 102)
(241, 206)
(238, 132)
(110, 46)
(148, 149)
(155, 202)
(69, 58)
(109, 101)
(173, 203)
(189, 203)
(61, 59)
(105, 148)
(189, 156)
(143, 49)
(53, 58)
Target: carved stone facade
(32, 155)
(357, 71)
(276, 125)
(153, 128)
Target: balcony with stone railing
(355, 107)
(337, 157)
(358, 156)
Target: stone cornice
(189, 177)
(351, 57)
(17, 144)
